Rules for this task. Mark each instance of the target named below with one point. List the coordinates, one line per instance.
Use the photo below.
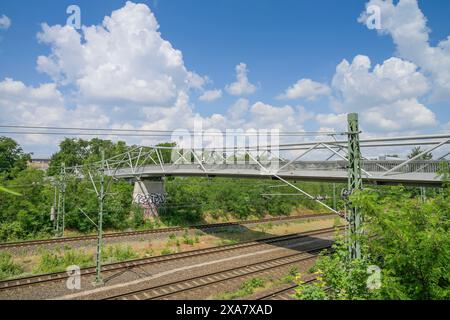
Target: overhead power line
(149, 132)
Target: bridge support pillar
(150, 195)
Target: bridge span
(147, 165)
(419, 173)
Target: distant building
(40, 164)
(385, 158)
(388, 157)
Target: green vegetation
(3, 189)
(290, 276)
(8, 268)
(117, 253)
(247, 288)
(408, 240)
(55, 261)
(190, 240)
(166, 251)
(416, 151)
(12, 158)
(26, 216)
(238, 198)
(59, 260)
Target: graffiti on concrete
(150, 203)
(156, 199)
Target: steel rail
(20, 244)
(58, 276)
(181, 286)
(274, 294)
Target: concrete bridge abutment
(150, 195)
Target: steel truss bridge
(263, 162)
(267, 162)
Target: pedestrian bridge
(285, 162)
(147, 165)
(423, 173)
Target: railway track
(171, 290)
(285, 293)
(118, 266)
(22, 244)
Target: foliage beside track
(59, 260)
(8, 268)
(407, 239)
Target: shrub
(408, 240)
(246, 288)
(55, 261)
(8, 268)
(118, 253)
(166, 251)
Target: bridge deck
(332, 174)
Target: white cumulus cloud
(387, 95)
(242, 86)
(360, 86)
(211, 95)
(307, 89)
(407, 26)
(123, 60)
(43, 105)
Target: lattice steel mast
(101, 197)
(354, 183)
(61, 211)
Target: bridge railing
(424, 166)
(378, 166)
(370, 166)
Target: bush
(8, 268)
(55, 261)
(166, 251)
(118, 253)
(246, 288)
(409, 241)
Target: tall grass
(118, 253)
(8, 268)
(55, 261)
(247, 288)
(59, 260)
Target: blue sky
(281, 42)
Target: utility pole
(55, 209)
(63, 206)
(101, 197)
(60, 214)
(354, 183)
(58, 211)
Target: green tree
(12, 158)
(71, 152)
(74, 152)
(26, 216)
(416, 151)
